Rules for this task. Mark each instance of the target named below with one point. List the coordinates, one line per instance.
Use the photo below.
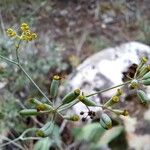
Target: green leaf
(43, 144)
(109, 135)
(55, 139)
(90, 132)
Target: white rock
(2, 84)
(104, 69)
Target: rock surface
(104, 69)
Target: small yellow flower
(29, 38)
(24, 27)
(34, 35)
(11, 32)
(26, 34)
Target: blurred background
(69, 31)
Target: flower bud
(34, 101)
(134, 84)
(119, 92)
(71, 96)
(143, 62)
(146, 82)
(72, 118)
(112, 101)
(86, 101)
(29, 112)
(54, 86)
(43, 107)
(48, 107)
(143, 97)
(39, 105)
(146, 76)
(45, 131)
(121, 112)
(144, 70)
(105, 121)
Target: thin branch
(18, 64)
(10, 142)
(9, 60)
(21, 137)
(28, 76)
(107, 89)
(17, 54)
(26, 131)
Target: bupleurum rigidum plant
(37, 107)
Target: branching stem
(107, 89)
(9, 60)
(17, 54)
(27, 75)
(21, 137)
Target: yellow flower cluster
(11, 32)
(26, 35)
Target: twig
(17, 54)
(27, 75)
(107, 89)
(9, 60)
(11, 142)
(21, 137)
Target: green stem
(19, 65)
(26, 131)
(17, 54)
(34, 83)
(31, 138)
(137, 69)
(11, 61)
(53, 122)
(67, 106)
(108, 108)
(21, 137)
(10, 142)
(107, 89)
